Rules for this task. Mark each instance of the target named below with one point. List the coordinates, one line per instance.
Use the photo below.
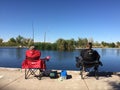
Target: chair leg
(81, 72)
(40, 75)
(32, 71)
(96, 73)
(29, 72)
(26, 73)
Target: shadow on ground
(4, 88)
(103, 74)
(115, 85)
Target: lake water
(13, 57)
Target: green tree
(19, 40)
(82, 42)
(112, 45)
(70, 44)
(54, 46)
(1, 41)
(27, 42)
(118, 44)
(97, 44)
(61, 44)
(103, 43)
(12, 42)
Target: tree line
(60, 44)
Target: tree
(112, 45)
(19, 40)
(97, 44)
(61, 44)
(27, 41)
(70, 44)
(82, 42)
(1, 41)
(118, 44)
(103, 43)
(54, 46)
(12, 42)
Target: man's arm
(97, 55)
(82, 53)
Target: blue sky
(67, 19)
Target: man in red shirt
(33, 54)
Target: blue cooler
(64, 74)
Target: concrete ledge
(13, 79)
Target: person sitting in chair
(88, 58)
(88, 55)
(33, 54)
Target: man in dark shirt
(88, 55)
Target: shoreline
(12, 47)
(6, 68)
(75, 48)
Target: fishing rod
(33, 32)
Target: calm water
(13, 57)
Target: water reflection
(20, 53)
(118, 52)
(103, 52)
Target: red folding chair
(34, 67)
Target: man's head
(89, 45)
(32, 47)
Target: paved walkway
(13, 79)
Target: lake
(13, 57)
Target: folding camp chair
(34, 67)
(87, 66)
